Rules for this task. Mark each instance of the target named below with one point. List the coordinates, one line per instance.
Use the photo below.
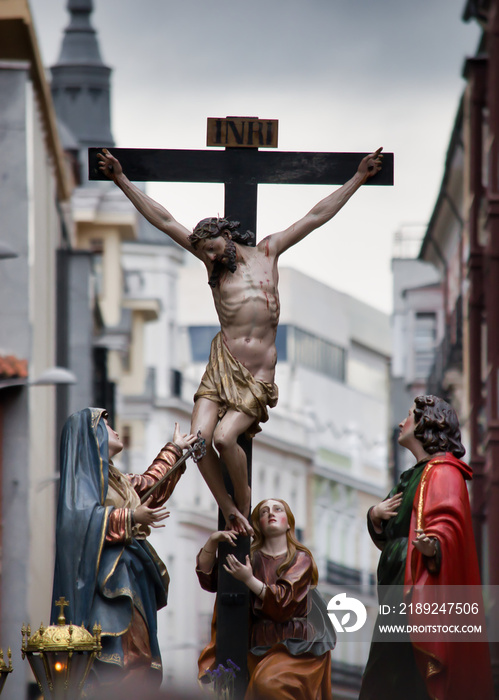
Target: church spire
(81, 86)
(79, 45)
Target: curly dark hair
(213, 227)
(437, 426)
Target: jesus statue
(238, 384)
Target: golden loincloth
(229, 384)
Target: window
(126, 439)
(200, 338)
(315, 353)
(425, 339)
(97, 248)
(367, 370)
(281, 344)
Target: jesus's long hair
(214, 226)
(292, 543)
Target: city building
(460, 305)
(34, 198)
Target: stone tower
(81, 87)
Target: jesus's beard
(220, 266)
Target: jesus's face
(216, 249)
(220, 251)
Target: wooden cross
(241, 170)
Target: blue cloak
(102, 583)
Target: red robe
(451, 670)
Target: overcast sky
(339, 75)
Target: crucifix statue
(238, 384)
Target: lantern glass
(3, 678)
(61, 675)
(38, 668)
(59, 663)
(80, 664)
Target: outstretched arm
(156, 214)
(326, 208)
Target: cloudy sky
(339, 75)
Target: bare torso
(247, 304)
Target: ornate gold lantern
(61, 656)
(4, 668)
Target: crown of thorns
(212, 228)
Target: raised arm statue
(238, 384)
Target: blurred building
(418, 328)
(35, 225)
(458, 299)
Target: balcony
(449, 354)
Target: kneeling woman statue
(104, 565)
(291, 636)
